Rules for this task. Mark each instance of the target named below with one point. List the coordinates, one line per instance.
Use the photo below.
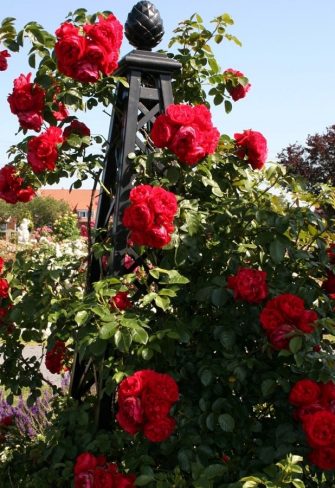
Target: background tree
(41, 210)
(315, 160)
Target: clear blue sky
(287, 53)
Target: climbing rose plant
(223, 327)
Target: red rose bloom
(84, 55)
(131, 386)
(304, 392)
(150, 215)
(331, 253)
(320, 429)
(323, 458)
(42, 150)
(148, 408)
(249, 285)
(94, 472)
(60, 112)
(54, 359)
(236, 90)
(27, 102)
(285, 316)
(3, 60)
(187, 131)
(121, 301)
(4, 288)
(328, 395)
(162, 131)
(302, 412)
(84, 462)
(159, 429)
(78, 128)
(253, 145)
(329, 284)
(7, 421)
(280, 337)
(11, 186)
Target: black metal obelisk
(149, 93)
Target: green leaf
(228, 106)
(268, 387)
(122, 340)
(295, 344)
(141, 336)
(108, 330)
(226, 422)
(143, 480)
(162, 302)
(206, 377)
(74, 141)
(81, 317)
(214, 471)
(277, 251)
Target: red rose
(154, 406)
(283, 316)
(320, 429)
(323, 458)
(60, 112)
(132, 408)
(84, 462)
(329, 284)
(84, 57)
(270, 318)
(180, 114)
(159, 429)
(107, 32)
(4, 288)
(131, 386)
(249, 285)
(306, 319)
(127, 422)
(121, 301)
(281, 336)
(302, 412)
(7, 421)
(236, 91)
(69, 48)
(54, 359)
(304, 392)
(78, 128)
(187, 131)
(3, 60)
(138, 216)
(150, 215)
(42, 150)
(103, 478)
(328, 395)
(84, 480)
(291, 306)
(162, 385)
(27, 102)
(253, 145)
(331, 253)
(162, 131)
(186, 145)
(11, 189)
(124, 481)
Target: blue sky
(287, 53)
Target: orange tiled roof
(77, 199)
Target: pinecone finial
(144, 26)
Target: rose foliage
(217, 346)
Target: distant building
(78, 200)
